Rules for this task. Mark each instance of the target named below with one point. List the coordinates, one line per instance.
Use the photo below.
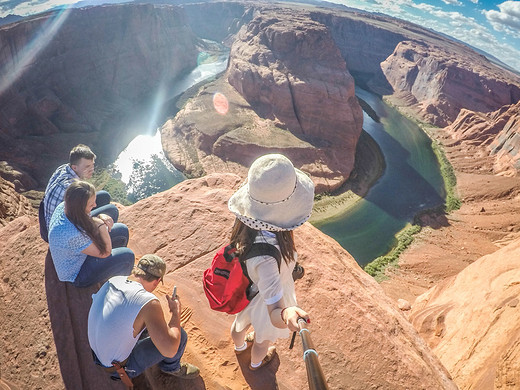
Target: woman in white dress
(276, 199)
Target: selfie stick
(315, 375)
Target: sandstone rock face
(442, 82)
(28, 358)
(362, 338)
(12, 204)
(496, 133)
(217, 21)
(364, 41)
(295, 96)
(471, 321)
(506, 145)
(419, 67)
(69, 77)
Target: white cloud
(511, 8)
(474, 1)
(452, 2)
(507, 19)
(36, 6)
(468, 30)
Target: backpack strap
(258, 249)
(263, 249)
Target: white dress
(272, 286)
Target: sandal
(249, 340)
(271, 352)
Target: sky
(492, 26)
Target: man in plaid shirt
(80, 167)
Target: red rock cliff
(362, 339)
(435, 74)
(442, 81)
(299, 99)
(70, 76)
(471, 321)
(495, 133)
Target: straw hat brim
(279, 216)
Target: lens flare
(17, 65)
(220, 103)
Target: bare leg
(238, 337)
(259, 351)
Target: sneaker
(249, 340)
(268, 358)
(185, 371)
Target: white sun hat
(276, 196)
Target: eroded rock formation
(496, 133)
(471, 321)
(73, 76)
(442, 81)
(419, 68)
(299, 100)
(12, 204)
(361, 336)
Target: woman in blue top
(85, 249)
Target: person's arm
(92, 249)
(106, 219)
(286, 317)
(270, 287)
(166, 337)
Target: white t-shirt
(272, 286)
(111, 318)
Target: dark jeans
(103, 206)
(145, 354)
(120, 262)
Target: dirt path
(488, 219)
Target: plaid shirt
(60, 180)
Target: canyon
(460, 276)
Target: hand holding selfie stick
(315, 375)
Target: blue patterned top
(66, 243)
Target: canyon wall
(292, 94)
(12, 204)
(72, 76)
(218, 21)
(416, 67)
(497, 133)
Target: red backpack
(227, 284)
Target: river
(142, 165)
(411, 182)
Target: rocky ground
(488, 219)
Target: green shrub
(102, 180)
(404, 239)
(452, 202)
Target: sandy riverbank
(368, 168)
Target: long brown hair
(76, 198)
(242, 237)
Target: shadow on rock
(263, 378)
(154, 379)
